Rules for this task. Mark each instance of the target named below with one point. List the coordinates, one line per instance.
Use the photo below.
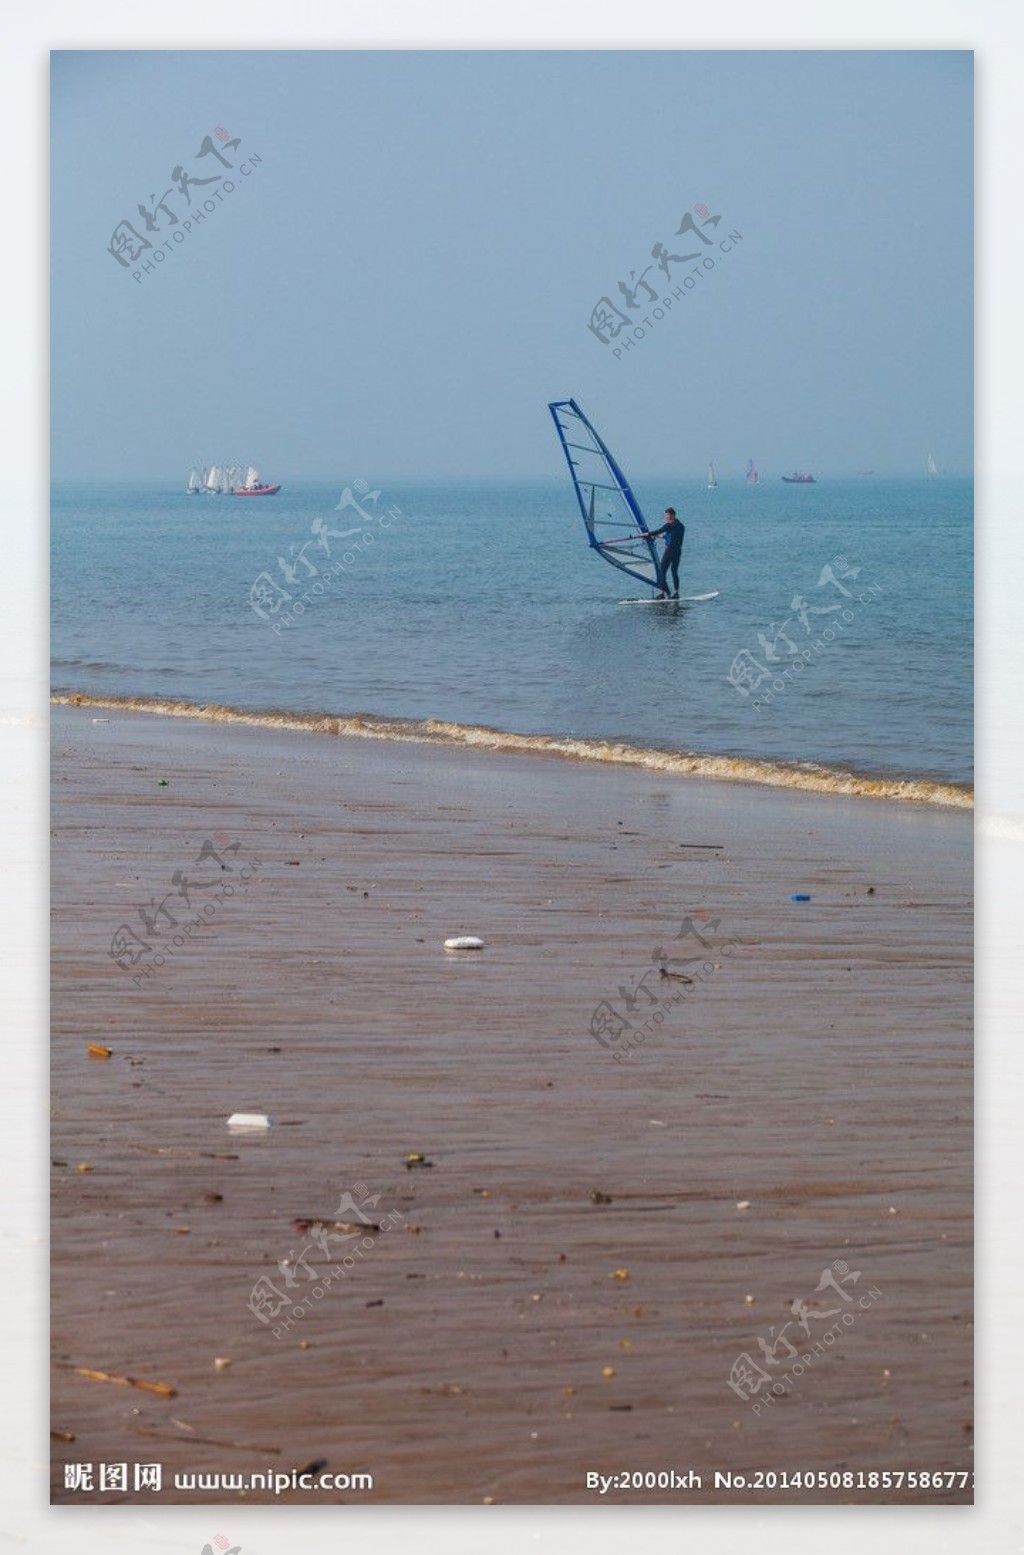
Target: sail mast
(615, 525)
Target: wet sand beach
(565, 1279)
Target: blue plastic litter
(800, 897)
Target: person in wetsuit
(674, 531)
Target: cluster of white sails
(222, 479)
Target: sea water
(839, 643)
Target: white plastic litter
(464, 942)
(248, 1120)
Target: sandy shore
(567, 1285)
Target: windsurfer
(674, 531)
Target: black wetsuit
(669, 562)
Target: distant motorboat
(799, 478)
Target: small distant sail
(615, 525)
(753, 479)
(712, 481)
(933, 468)
(213, 478)
(252, 478)
(194, 482)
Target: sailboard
(615, 526)
(686, 599)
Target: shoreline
(587, 1248)
(808, 777)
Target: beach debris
(99, 1050)
(378, 1303)
(221, 1362)
(597, 1197)
(607, 1372)
(800, 896)
(248, 1120)
(657, 1123)
(743, 1204)
(305, 1344)
(749, 1300)
(619, 1274)
(677, 977)
(62, 1436)
(296, 862)
(207, 1441)
(871, 890)
(214, 1198)
(416, 1161)
(484, 1193)
(163, 783)
(625, 1344)
(464, 942)
(101, 720)
(302, 1223)
(161, 1389)
(83, 1166)
(569, 1392)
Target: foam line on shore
(809, 777)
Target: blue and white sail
(615, 525)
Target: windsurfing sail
(615, 525)
(712, 480)
(933, 468)
(752, 476)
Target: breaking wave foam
(430, 731)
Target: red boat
(252, 486)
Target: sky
(407, 276)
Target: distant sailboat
(712, 481)
(753, 479)
(253, 486)
(933, 468)
(229, 480)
